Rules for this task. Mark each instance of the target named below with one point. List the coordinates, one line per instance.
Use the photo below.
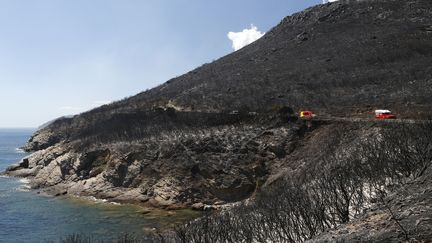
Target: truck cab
(384, 114)
(307, 115)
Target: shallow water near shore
(26, 216)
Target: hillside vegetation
(344, 58)
(227, 133)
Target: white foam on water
(25, 185)
(19, 151)
(24, 181)
(102, 201)
(97, 200)
(24, 188)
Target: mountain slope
(345, 54)
(181, 145)
(344, 58)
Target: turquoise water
(26, 216)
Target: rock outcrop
(210, 165)
(220, 132)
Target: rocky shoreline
(214, 135)
(205, 169)
(224, 133)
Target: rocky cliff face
(179, 168)
(210, 165)
(180, 144)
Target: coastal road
(347, 119)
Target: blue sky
(60, 57)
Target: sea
(26, 215)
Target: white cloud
(329, 1)
(244, 38)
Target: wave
(24, 188)
(91, 198)
(24, 181)
(19, 151)
(25, 185)
(97, 200)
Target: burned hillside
(228, 131)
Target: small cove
(26, 216)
